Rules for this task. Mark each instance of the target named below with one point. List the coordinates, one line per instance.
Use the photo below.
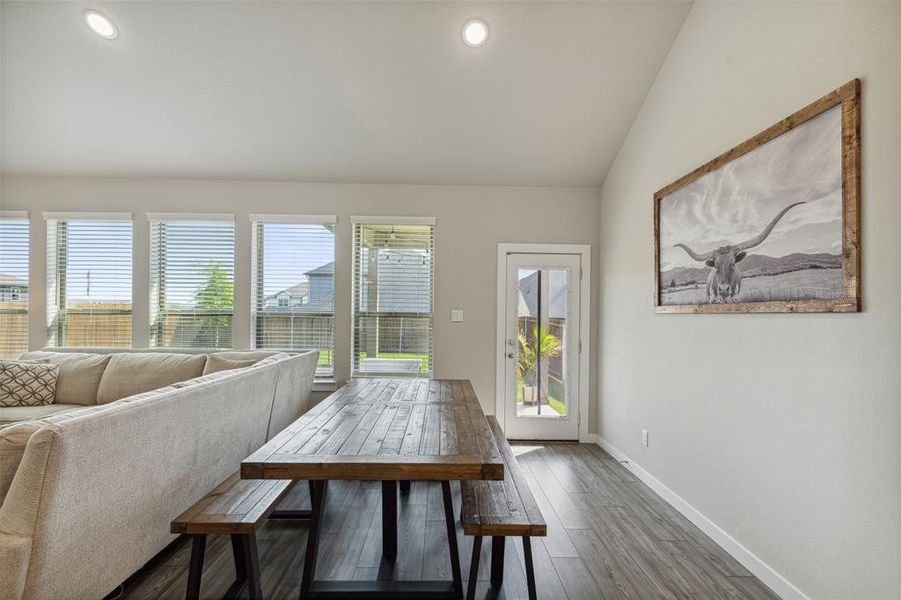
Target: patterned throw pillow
(27, 384)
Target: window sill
(325, 385)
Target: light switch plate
(457, 315)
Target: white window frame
(85, 216)
(24, 215)
(201, 218)
(383, 220)
(324, 382)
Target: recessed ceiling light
(475, 33)
(100, 24)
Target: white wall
(784, 430)
(471, 221)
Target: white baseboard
(779, 584)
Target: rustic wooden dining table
(388, 430)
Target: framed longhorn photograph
(771, 225)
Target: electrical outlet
(644, 438)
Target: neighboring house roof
(324, 304)
(528, 294)
(326, 269)
(318, 305)
(299, 289)
(303, 288)
(6, 279)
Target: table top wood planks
(385, 429)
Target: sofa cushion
(15, 414)
(79, 375)
(272, 359)
(215, 363)
(27, 384)
(130, 374)
(244, 354)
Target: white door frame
(584, 250)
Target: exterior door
(542, 346)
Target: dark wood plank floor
(609, 536)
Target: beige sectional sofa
(89, 485)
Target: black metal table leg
(474, 567)
(497, 561)
(452, 537)
(195, 571)
(389, 519)
(530, 569)
(309, 563)
(311, 589)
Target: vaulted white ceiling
(329, 91)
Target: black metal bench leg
(497, 561)
(474, 567)
(195, 571)
(238, 555)
(389, 519)
(530, 569)
(452, 537)
(309, 563)
(234, 591)
(252, 566)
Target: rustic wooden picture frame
(848, 97)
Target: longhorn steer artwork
(771, 225)
(724, 279)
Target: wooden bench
(236, 507)
(500, 509)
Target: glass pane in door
(541, 370)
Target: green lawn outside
(423, 359)
(554, 403)
(325, 357)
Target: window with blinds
(192, 271)
(393, 288)
(89, 280)
(293, 285)
(13, 284)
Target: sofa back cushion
(79, 375)
(128, 374)
(215, 363)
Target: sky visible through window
(290, 250)
(13, 248)
(99, 270)
(285, 260)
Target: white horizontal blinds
(89, 270)
(13, 286)
(192, 270)
(393, 284)
(293, 287)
